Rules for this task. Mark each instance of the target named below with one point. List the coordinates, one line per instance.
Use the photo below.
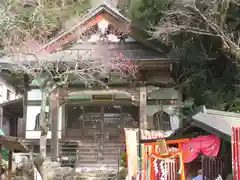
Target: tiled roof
(134, 52)
(219, 120)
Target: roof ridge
(222, 113)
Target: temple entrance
(99, 123)
(100, 130)
(102, 123)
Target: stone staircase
(69, 153)
(88, 154)
(93, 156)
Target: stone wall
(25, 170)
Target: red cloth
(207, 145)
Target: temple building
(87, 127)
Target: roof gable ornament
(103, 25)
(104, 31)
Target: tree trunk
(44, 122)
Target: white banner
(132, 153)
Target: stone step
(69, 144)
(96, 149)
(115, 150)
(97, 161)
(98, 173)
(98, 144)
(69, 151)
(68, 163)
(90, 143)
(104, 152)
(97, 167)
(66, 155)
(104, 149)
(113, 145)
(98, 157)
(87, 153)
(70, 148)
(96, 153)
(97, 177)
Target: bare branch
(205, 19)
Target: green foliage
(147, 13)
(206, 72)
(28, 18)
(214, 82)
(124, 160)
(233, 106)
(123, 173)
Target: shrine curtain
(207, 145)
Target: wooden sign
(102, 97)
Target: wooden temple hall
(87, 126)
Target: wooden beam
(70, 36)
(177, 141)
(120, 85)
(146, 141)
(13, 143)
(115, 102)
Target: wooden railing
(212, 167)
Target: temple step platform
(95, 154)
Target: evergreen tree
(204, 37)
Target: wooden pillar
(1, 117)
(54, 124)
(1, 162)
(143, 122)
(181, 162)
(143, 107)
(101, 133)
(10, 164)
(13, 127)
(23, 122)
(63, 95)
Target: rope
(171, 157)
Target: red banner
(235, 153)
